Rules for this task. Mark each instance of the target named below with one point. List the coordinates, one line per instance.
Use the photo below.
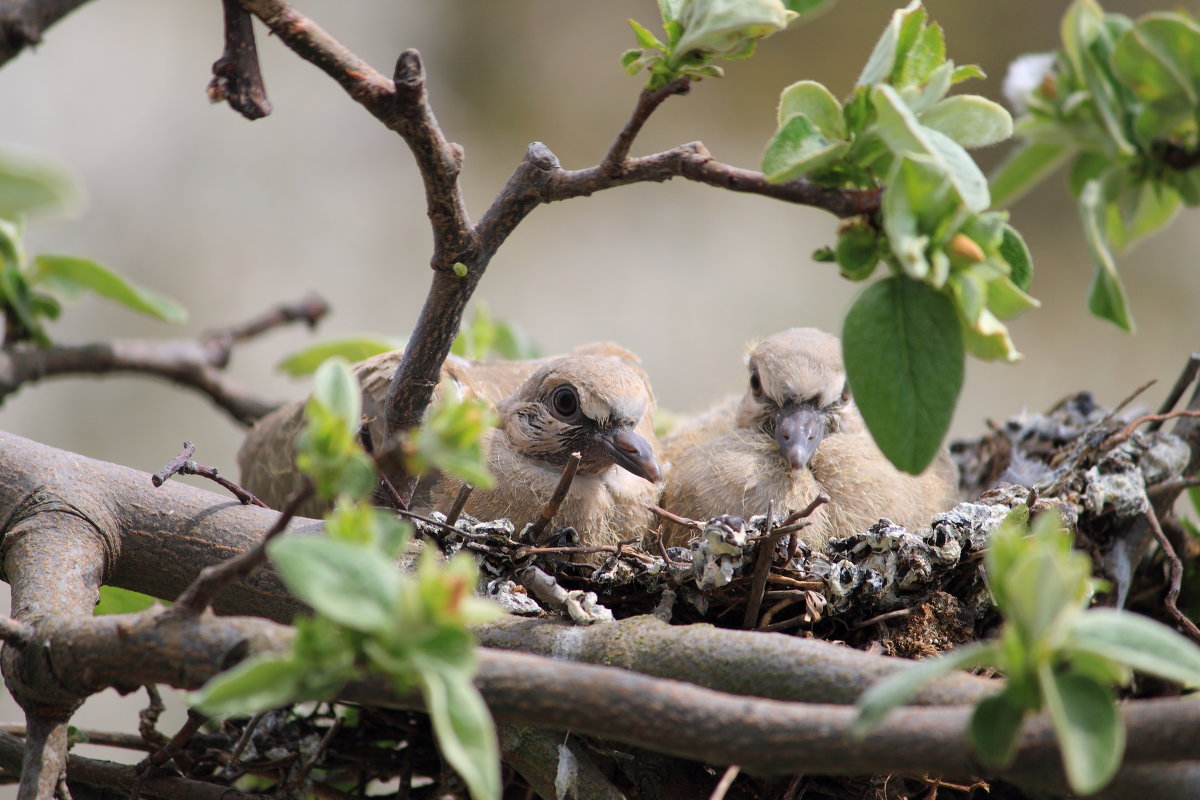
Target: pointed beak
(631, 452)
(798, 432)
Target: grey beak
(798, 432)
(633, 453)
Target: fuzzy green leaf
(1015, 252)
(1159, 59)
(1025, 168)
(465, 732)
(336, 389)
(353, 349)
(1091, 736)
(108, 284)
(1106, 298)
(994, 728)
(32, 184)
(257, 684)
(817, 103)
(970, 120)
(797, 148)
(903, 349)
(1140, 642)
(350, 584)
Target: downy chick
(601, 408)
(795, 433)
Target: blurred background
(231, 217)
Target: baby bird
(796, 432)
(599, 407)
(267, 457)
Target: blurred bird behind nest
(594, 401)
(795, 433)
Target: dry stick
(237, 77)
(244, 739)
(310, 310)
(694, 524)
(1176, 577)
(460, 502)
(125, 741)
(647, 102)
(1118, 438)
(148, 719)
(556, 500)
(211, 580)
(171, 750)
(183, 465)
(762, 566)
(899, 613)
(726, 781)
(23, 21)
(1181, 383)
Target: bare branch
(22, 23)
(648, 101)
(237, 77)
(556, 499)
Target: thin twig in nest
(662, 513)
(183, 465)
(460, 502)
(556, 499)
(762, 566)
(1119, 438)
(887, 616)
(1176, 578)
(726, 781)
(1181, 383)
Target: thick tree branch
(22, 23)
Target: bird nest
(903, 592)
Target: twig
(806, 512)
(310, 310)
(310, 760)
(1190, 369)
(460, 502)
(127, 741)
(171, 750)
(1167, 488)
(887, 616)
(762, 565)
(1121, 437)
(148, 719)
(15, 632)
(213, 579)
(694, 524)
(244, 739)
(726, 781)
(22, 23)
(784, 580)
(237, 77)
(1176, 578)
(1131, 397)
(647, 102)
(581, 550)
(183, 465)
(556, 499)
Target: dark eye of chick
(565, 402)
(755, 384)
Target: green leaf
(903, 349)
(899, 687)
(817, 103)
(995, 724)
(858, 250)
(1139, 211)
(1024, 168)
(353, 585)
(970, 120)
(1014, 251)
(904, 134)
(883, 57)
(336, 388)
(18, 301)
(1088, 43)
(967, 72)
(797, 148)
(257, 684)
(115, 600)
(1006, 300)
(1106, 299)
(921, 210)
(33, 184)
(645, 39)
(1159, 59)
(465, 732)
(1090, 734)
(353, 349)
(110, 285)
(808, 9)
(988, 339)
(1142, 643)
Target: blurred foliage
(32, 290)
(1055, 653)
(411, 626)
(1120, 101)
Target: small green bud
(460, 269)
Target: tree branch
(22, 23)
(193, 363)
(237, 76)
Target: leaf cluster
(1055, 653)
(1121, 102)
(370, 617)
(32, 290)
(955, 269)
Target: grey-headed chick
(599, 407)
(795, 433)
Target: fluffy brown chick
(795, 433)
(601, 408)
(267, 457)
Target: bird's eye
(565, 401)
(755, 383)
